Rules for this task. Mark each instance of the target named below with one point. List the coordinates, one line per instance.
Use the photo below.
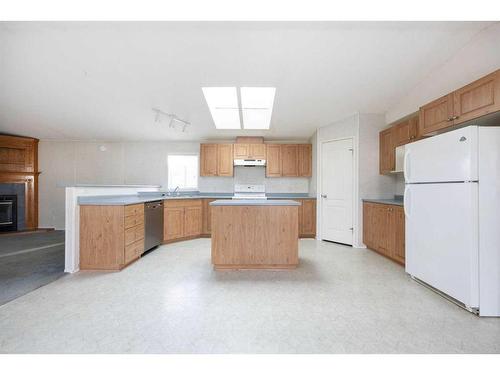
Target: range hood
(250, 162)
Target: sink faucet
(176, 191)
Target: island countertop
(255, 202)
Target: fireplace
(8, 213)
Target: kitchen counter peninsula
(255, 234)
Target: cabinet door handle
(455, 117)
(324, 196)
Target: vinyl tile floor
(339, 300)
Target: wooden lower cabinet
(307, 218)
(111, 237)
(192, 221)
(384, 230)
(182, 218)
(173, 223)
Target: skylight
(256, 106)
(223, 105)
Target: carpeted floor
(29, 261)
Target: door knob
(324, 196)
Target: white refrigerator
(452, 210)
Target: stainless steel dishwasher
(154, 224)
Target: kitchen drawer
(134, 250)
(139, 232)
(134, 209)
(182, 203)
(132, 221)
(133, 234)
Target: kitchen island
(255, 234)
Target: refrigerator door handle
(406, 199)
(406, 170)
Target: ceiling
(100, 80)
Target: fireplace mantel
(19, 164)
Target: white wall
(364, 128)
(68, 163)
(314, 175)
(480, 56)
(400, 184)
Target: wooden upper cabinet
(477, 99)
(208, 159)
(257, 150)
(305, 160)
(387, 151)
(241, 151)
(406, 131)
(249, 151)
(216, 159)
(225, 160)
(436, 115)
(273, 161)
(289, 160)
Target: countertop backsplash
(254, 175)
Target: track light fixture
(173, 119)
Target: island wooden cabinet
(216, 159)
(182, 219)
(111, 237)
(255, 236)
(470, 102)
(384, 230)
(206, 226)
(249, 151)
(387, 151)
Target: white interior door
(337, 191)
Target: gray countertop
(123, 200)
(255, 202)
(397, 200)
